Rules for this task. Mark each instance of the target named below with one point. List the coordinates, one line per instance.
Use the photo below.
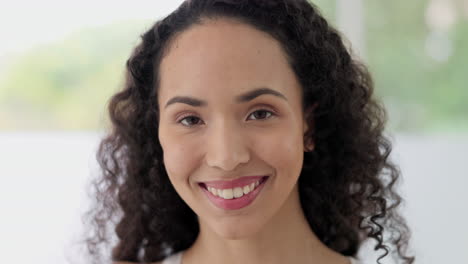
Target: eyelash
(258, 110)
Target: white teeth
(228, 194)
(213, 191)
(234, 193)
(246, 189)
(238, 192)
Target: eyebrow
(248, 96)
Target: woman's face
(218, 131)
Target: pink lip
(235, 203)
(234, 183)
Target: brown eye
(262, 114)
(189, 121)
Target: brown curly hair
(353, 184)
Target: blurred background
(60, 61)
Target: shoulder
(125, 262)
(172, 259)
(354, 260)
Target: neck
(286, 238)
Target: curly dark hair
(353, 188)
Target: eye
(261, 113)
(189, 121)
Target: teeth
(238, 192)
(227, 194)
(234, 193)
(246, 189)
(213, 191)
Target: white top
(177, 258)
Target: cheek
(283, 150)
(179, 156)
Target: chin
(237, 230)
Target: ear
(309, 126)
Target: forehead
(225, 56)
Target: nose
(226, 147)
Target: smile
(237, 197)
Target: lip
(235, 203)
(246, 180)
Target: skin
(224, 140)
